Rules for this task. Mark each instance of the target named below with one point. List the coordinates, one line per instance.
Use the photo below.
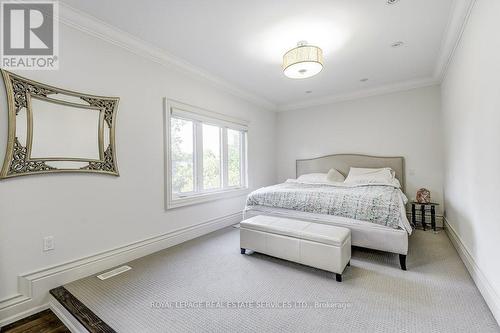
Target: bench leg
(242, 250)
(338, 277)
(402, 261)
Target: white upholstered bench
(313, 244)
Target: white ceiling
(242, 42)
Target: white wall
(399, 124)
(471, 118)
(88, 214)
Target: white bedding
(323, 218)
(364, 203)
(364, 234)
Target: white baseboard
(33, 287)
(23, 314)
(489, 294)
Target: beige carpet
(230, 292)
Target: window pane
(182, 155)
(211, 157)
(234, 157)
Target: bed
(389, 234)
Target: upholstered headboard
(342, 162)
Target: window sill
(206, 197)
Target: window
(206, 155)
(211, 165)
(234, 149)
(182, 150)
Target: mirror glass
(64, 131)
(54, 130)
(66, 164)
(22, 126)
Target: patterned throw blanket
(378, 204)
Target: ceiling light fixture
(397, 44)
(364, 79)
(303, 61)
(391, 2)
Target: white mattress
(364, 234)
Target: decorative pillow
(335, 176)
(313, 178)
(370, 176)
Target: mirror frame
(18, 162)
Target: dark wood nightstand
(423, 209)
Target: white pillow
(313, 178)
(370, 176)
(335, 176)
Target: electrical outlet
(48, 243)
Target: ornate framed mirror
(56, 130)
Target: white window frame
(199, 116)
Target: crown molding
(457, 22)
(380, 90)
(93, 26)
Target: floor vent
(114, 272)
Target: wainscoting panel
(33, 288)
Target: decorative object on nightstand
(423, 208)
(423, 196)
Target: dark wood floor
(80, 311)
(42, 322)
